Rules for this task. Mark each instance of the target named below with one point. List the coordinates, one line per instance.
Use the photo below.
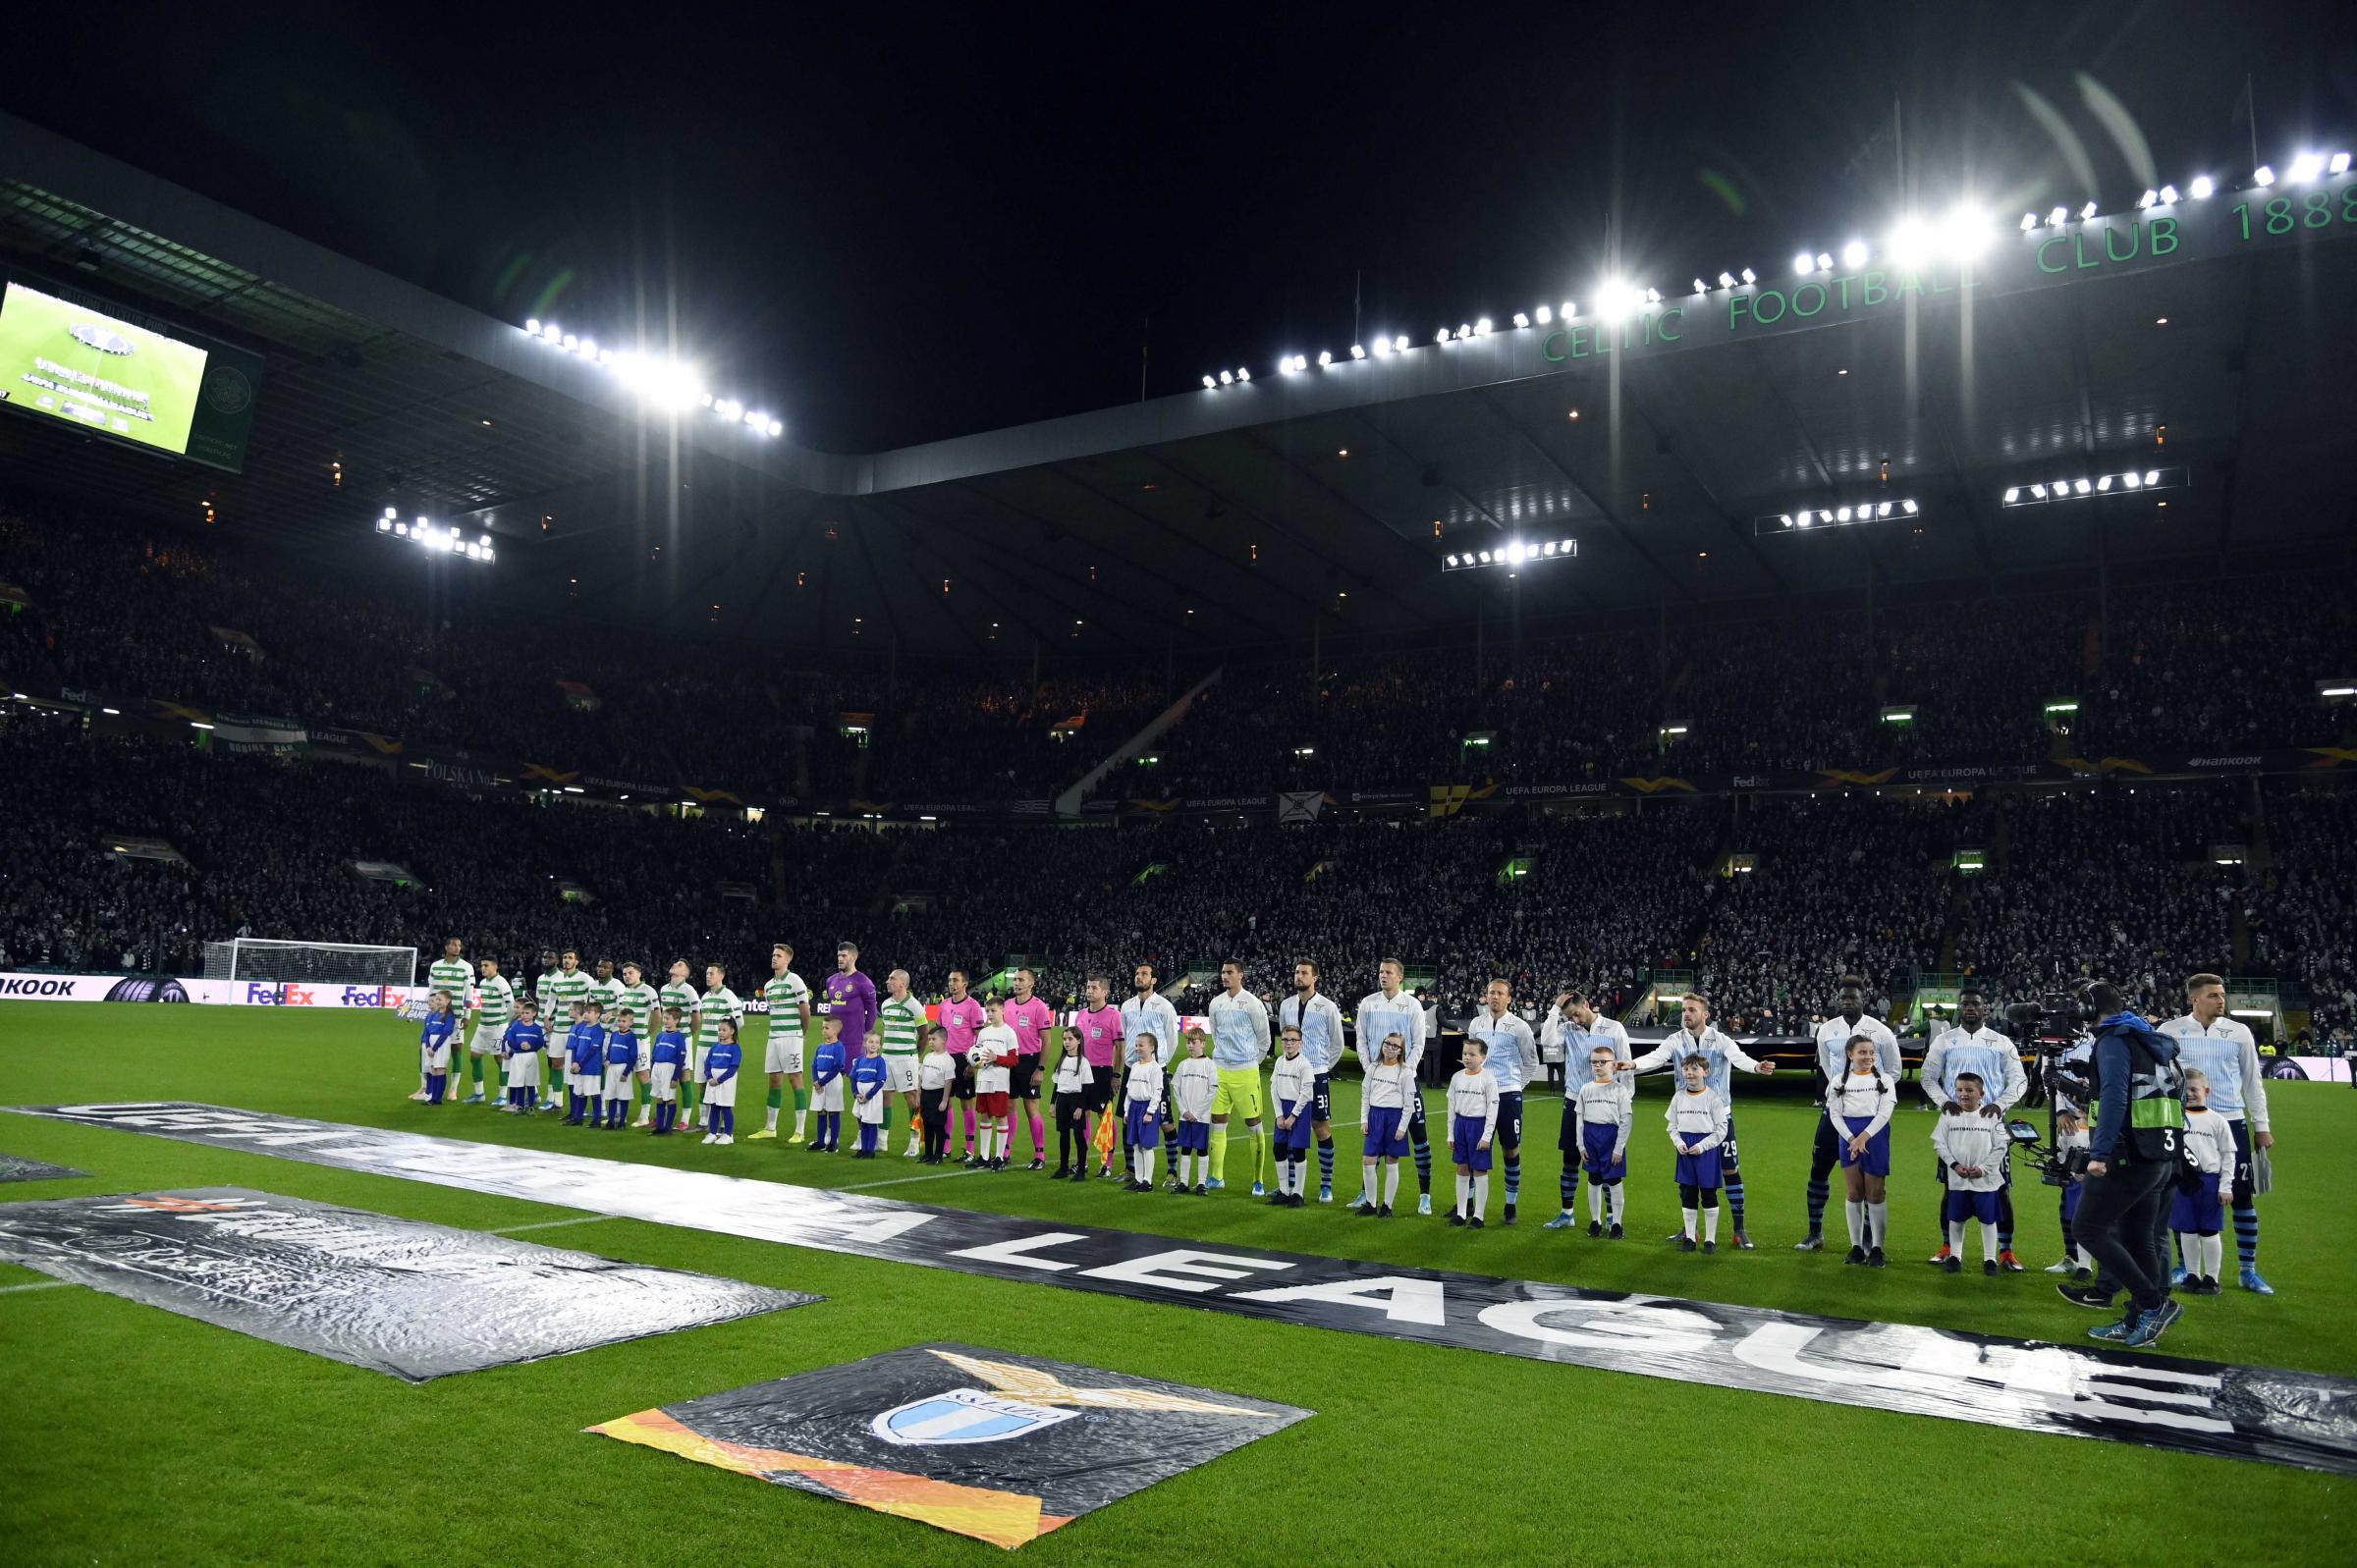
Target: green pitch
(35, 326)
(132, 1434)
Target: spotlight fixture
(1837, 516)
(2088, 486)
(1514, 554)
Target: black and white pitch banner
(15, 1168)
(2292, 1417)
(988, 1443)
(416, 1300)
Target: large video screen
(72, 363)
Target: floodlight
(1485, 557)
(400, 530)
(2305, 167)
(1243, 373)
(1325, 358)
(1965, 231)
(2152, 476)
(2029, 221)
(1908, 243)
(2087, 211)
(1481, 328)
(1750, 276)
(1726, 280)
(1442, 335)
(384, 525)
(2059, 217)
(1568, 311)
(552, 333)
(759, 420)
(2263, 175)
(589, 347)
(1909, 508)
(1211, 383)
(1842, 514)
(1358, 350)
(2168, 195)
(1227, 378)
(2201, 188)
(1453, 560)
(1882, 511)
(390, 513)
(1652, 296)
(777, 428)
(1383, 348)
(2133, 481)
(1784, 518)
(2083, 487)
(1825, 263)
(1544, 315)
(1521, 318)
(1853, 254)
(532, 326)
(2038, 491)
(2339, 163)
(571, 342)
(1399, 343)
(1803, 264)
(2102, 484)
(2012, 494)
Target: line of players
(876, 1048)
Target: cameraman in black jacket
(2137, 1145)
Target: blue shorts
(1464, 1133)
(1194, 1137)
(1704, 1170)
(1143, 1121)
(1321, 1098)
(1285, 1140)
(1596, 1140)
(1981, 1206)
(2070, 1199)
(2199, 1212)
(1386, 1137)
(1876, 1159)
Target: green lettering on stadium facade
(2013, 262)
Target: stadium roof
(1247, 512)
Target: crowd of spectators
(2303, 916)
(2177, 665)
(205, 622)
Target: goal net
(326, 963)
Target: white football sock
(769, 1118)
(1710, 1223)
(1956, 1237)
(1464, 1185)
(1988, 1244)
(1878, 1223)
(1391, 1183)
(1689, 1218)
(1481, 1197)
(1620, 1201)
(1855, 1213)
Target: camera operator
(2136, 1150)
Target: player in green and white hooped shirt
(606, 989)
(453, 974)
(677, 993)
(639, 997)
(789, 1003)
(719, 1005)
(901, 1019)
(560, 992)
(495, 1006)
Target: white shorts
(663, 1089)
(723, 1093)
(435, 1059)
(900, 1073)
(782, 1053)
(524, 1070)
(617, 1083)
(556, 1060)
(696, 1062)
(488, 1038)
(871, 1109)
(829, 1098)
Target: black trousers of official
(2116, 1222)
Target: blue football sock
(1514, 1176)
(1735, 1199)
(1819, 1191)
(1567, 1185)
(2246, 1235)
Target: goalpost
(326, 963)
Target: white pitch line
(38, 1284)
(551, 1225)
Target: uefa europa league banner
(396, 1296)
(2290, 1418)
(988, 1443)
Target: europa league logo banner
(984, 1443)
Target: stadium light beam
(1514, 554)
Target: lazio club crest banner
(983, 1442)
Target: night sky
(901, 224)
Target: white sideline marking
(551, 1225)
(38, 1284)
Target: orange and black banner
(989, 1443)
